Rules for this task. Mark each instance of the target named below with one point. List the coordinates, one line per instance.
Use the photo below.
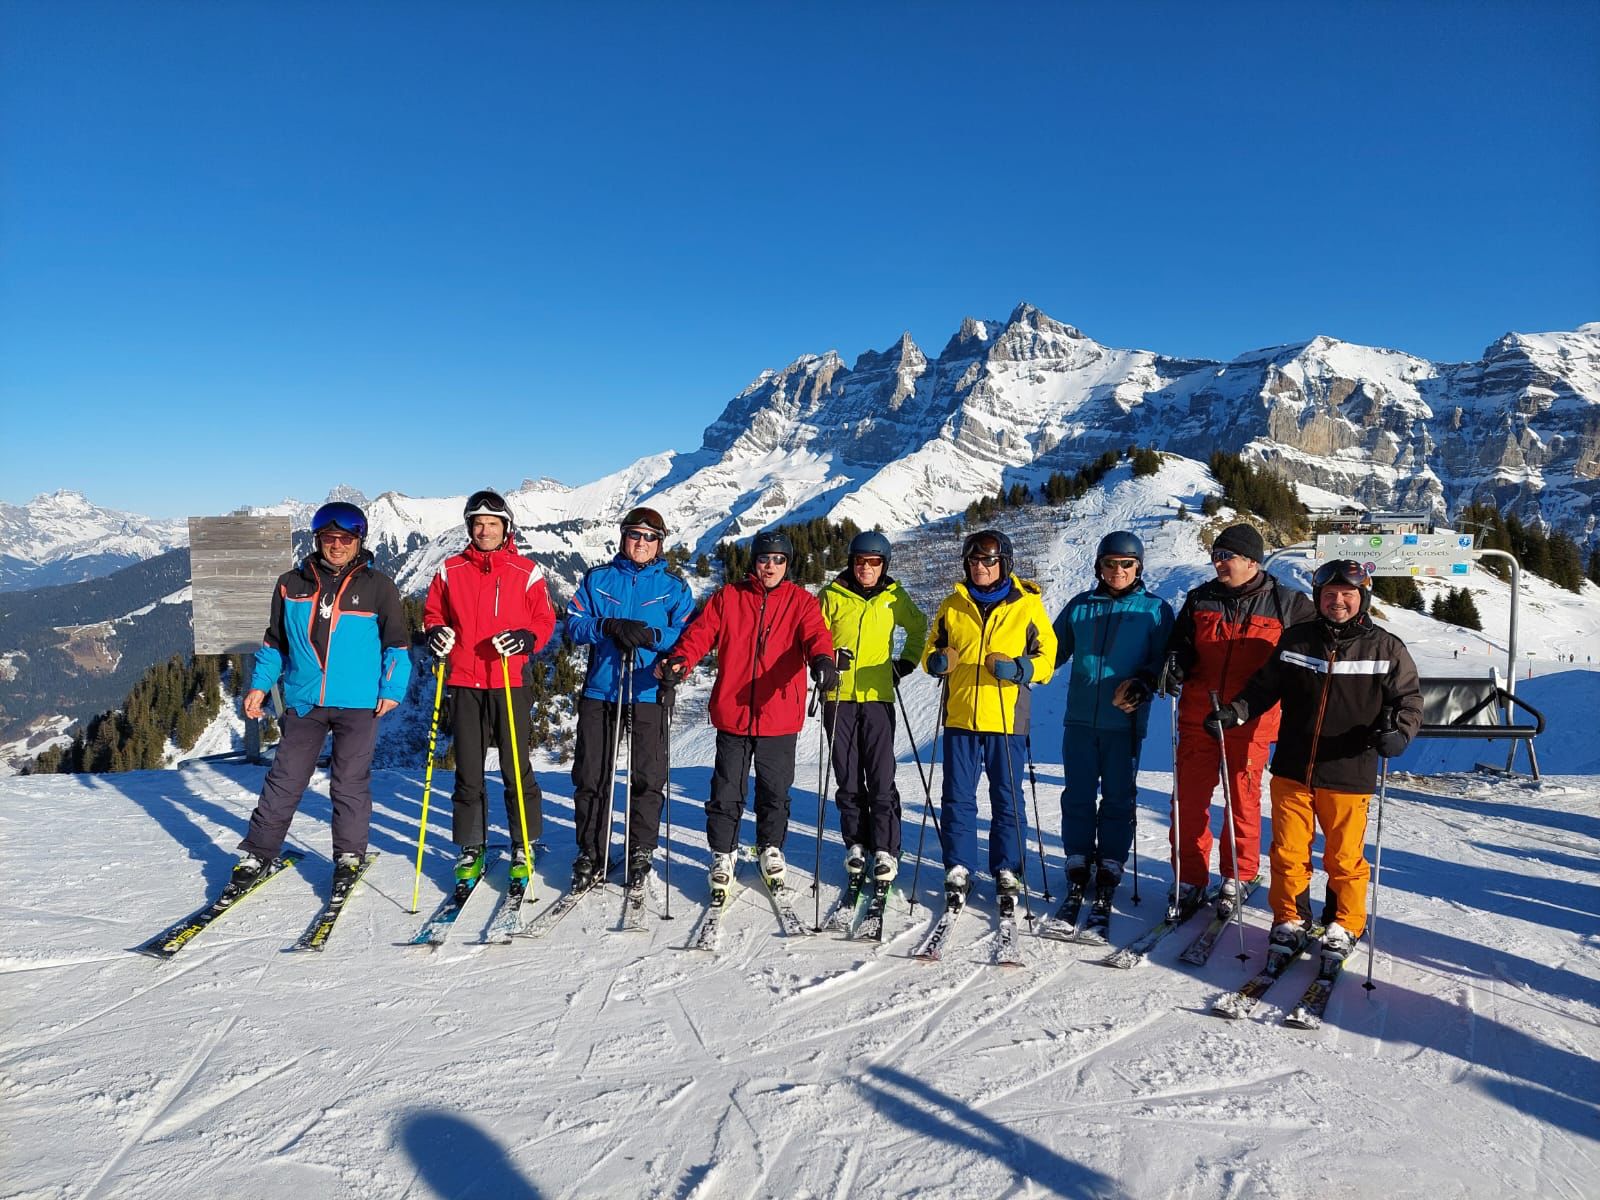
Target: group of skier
(1249, 661)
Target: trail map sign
(233, 563)
(1438, 554)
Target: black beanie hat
(1241, 539)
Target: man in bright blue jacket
(633, 608)
(338, 642)
(1116, 635)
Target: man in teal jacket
(863, 607)
(1116, 635)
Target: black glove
(1171, 680)
(1138, 692)
(1389, 742)
(513, 642)
(843, 657)
(1225, 717)
(670, 670)
(629, 635)
(440, 639)
(824, 673)
(901, 668)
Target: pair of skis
(707, 932)
(1007, 940)
(1198, 951)
(503, 923)
(859, 911)
(1308, 1013)
(166, 944)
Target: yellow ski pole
(516, 762)
(427, 780)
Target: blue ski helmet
(1120, 544)
(772, 541)
(870, 542)
(988, 541)
(339, 515)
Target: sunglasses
(1120, 564)
(868, 560)
(984, 560)
(1223, 556)
(1344, 570)
(771, 560)
(640, 535)
(329, 538)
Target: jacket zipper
(1322, 707)
(861, 624)
(755, 662)
(332, 623)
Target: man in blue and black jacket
(338, 642)
(633, 608)
(1116, 636)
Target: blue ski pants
(1003, 758)
(1098, 761)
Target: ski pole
(927, 784)
(667, 705)
(933, 759)
(611, 784)
(822, 768)
(1133, 733)
(1227, 808)
(1177, 821)
(427, 779)
(1038, 827)
(627, 775)
(516, 763)
(1377, 869)
(1016, 797)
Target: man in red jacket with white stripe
(766, 632)
(487, 612)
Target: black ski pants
(355, 733)
(773, 758)
(863, 765)
(643, 755)
(479, 719)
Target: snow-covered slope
(593, 1063)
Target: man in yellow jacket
(863, 607)
(992, 640)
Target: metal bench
(1479, 707)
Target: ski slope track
(593, 1063)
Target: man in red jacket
(487, 612)
(1228, 627)
(766, 631)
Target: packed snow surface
(599, 1063)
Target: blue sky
(254, 250)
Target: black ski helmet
(1120, 544)
(771, 541)
(1342, 570)
(988, 541)
(870, 542)
(640, 517)
(487, 504)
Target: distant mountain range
(899, 439)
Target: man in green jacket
(863, 607)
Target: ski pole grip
(1216, 702)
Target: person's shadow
(457, 1159)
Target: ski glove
(901, 668)
(1171, 681)
(1225, 717)
(1134, 692)
(843, 657)
(1389, 742)
(628, 634)
(441, 638)
(824, 673)
(671, 670)
(939, 663)
(513, 642)
(1010, 670)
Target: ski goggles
(1341, 570)
(340, 515)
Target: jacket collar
(847, 581)
(484, 559)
